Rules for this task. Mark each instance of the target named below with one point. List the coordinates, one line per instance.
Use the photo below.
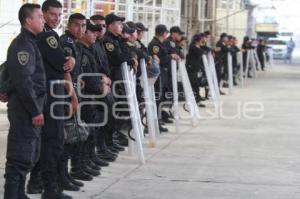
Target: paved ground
(238, 158)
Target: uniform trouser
(52, 147)
(193, 77)
(23, 149)
(121, 111)
(219, 67)
(225, 75)
(245, 55)
(109, 128)
(262, 61)
(163, 88)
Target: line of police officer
(41, 66)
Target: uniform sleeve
(114, 54)
(171, 47)
(21, 65)
(52, 51)
(68, 49)
(165, 58)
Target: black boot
(76, 163)
(121, 139)
(74, 153)
(163, 129)
(54, 194)
(92, 151)
(117, 147)
(63, 180)
(165, 117)
(206, 94)
(94, 166)
(81, 175)
(106, 155)
(85, 159)
(35, 185)
(100, 162)
(75, 182)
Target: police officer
(105, 139)
(261, 48)
(160, 52)
(75, 29)
(175, 37)
(104, 154)
(117, 54)
(194, 65)
(234, 50)
(173, 48)
(221, 58)
(246, 46)
(25, 102)
(93, 86)
(141, 30)
(57, 67)
(113, 46)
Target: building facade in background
(218, 16)
(193, 15)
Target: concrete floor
(238, 158)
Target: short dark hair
(51, 3)
(75, 16)
(26, 11)
(97, 17)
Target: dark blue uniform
(69, 44)
(221, 61)
(26, 100)
(105, 134)
(156, 47)
(117, 53)
(194, 65)
(53, 131)
(101, 57)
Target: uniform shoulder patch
(109, 46)
(172, 43)
(69, 51)
(155, 49)
(52, 42)
(23, 57)
(84, 60)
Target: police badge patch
(173, 45)
(155, 49)
(23, 57)
(110, 47)
(52, 42)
